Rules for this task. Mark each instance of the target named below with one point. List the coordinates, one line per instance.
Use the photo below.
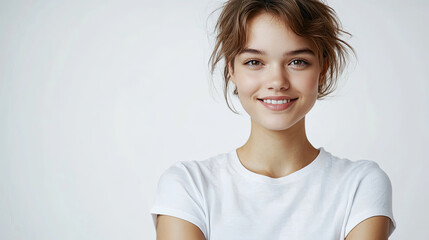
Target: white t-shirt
(324, 200)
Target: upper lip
(277, 98)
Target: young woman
(281, 56)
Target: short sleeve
(373, 197)
(178, 196)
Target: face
(276, 75)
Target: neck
(277, 153)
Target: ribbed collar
(315, 164)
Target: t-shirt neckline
(238, 166)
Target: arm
(373, 228)
(169, 228)
(179, 208)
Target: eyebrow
(291, 53)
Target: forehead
(270, 33)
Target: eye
(253, 63)
(298, 63)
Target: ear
(231, 71)
(324, 71)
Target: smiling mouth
(272, 101)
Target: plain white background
(98, 98)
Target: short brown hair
(311, 19)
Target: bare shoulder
(373, 228)
(169, 227)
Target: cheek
(308, 83)
(247, 84)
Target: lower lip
(278, 107)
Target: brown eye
(298, 62)
(253, 63)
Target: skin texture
(374, 228)
(172, 228)
(277, 145)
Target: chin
(278, 124)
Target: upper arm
(373, 228)
(169, 228)
(179, 205)
(370, 204)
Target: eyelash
(303, 62)
(254, 62)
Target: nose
(278, 78)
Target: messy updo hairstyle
(310, 19)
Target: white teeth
(277, 101)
